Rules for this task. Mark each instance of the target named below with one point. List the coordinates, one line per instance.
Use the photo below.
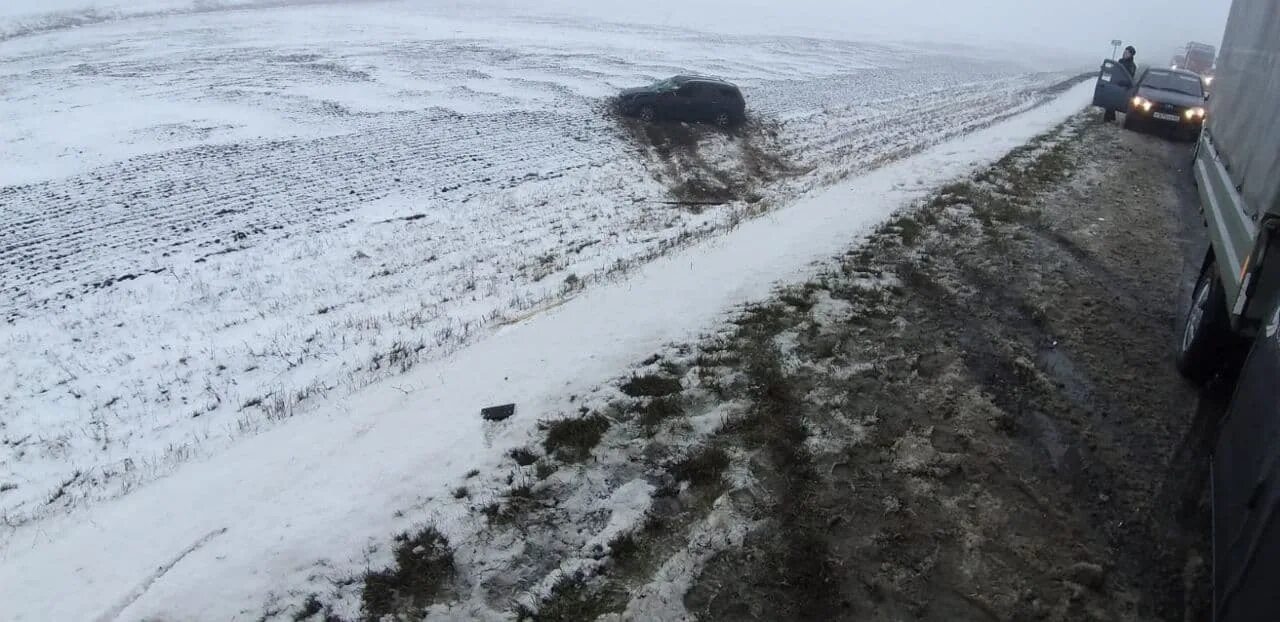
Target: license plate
(1165, 117)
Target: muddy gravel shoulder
(970, 416)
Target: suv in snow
(686, 98)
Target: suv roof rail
(707, 78)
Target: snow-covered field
(219, 226)
(312, 502)
(214, 221)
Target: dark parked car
(686, 98)
(1168, 98)
(1246, 490)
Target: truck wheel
(648, 115)
(1206, 332)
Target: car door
(711, 102)
(1112, 89)
(687, 104)
(731, 102)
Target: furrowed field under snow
(210, 221)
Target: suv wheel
(648, 115)
(1206, 331)
(724, 119)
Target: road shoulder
(971, 416)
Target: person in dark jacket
(1126, 61)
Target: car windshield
(1177, 82)
(665, 85)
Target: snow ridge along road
(213, 222)
(315, 495)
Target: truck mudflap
(1259, 280)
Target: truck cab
(1199, 58)
(1237, 175)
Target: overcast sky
(1084, 27)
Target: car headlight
(1143, 103)
(1194, 113)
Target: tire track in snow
(114, 612)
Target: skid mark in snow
(115, 612)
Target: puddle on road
(1050, 438)
(1063, 454)
(1059, 367)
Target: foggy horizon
(1078, 30)
(1082, 28)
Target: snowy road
(216, 221)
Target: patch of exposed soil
(998, 433)
(703, 164)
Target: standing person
(1126, 61)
